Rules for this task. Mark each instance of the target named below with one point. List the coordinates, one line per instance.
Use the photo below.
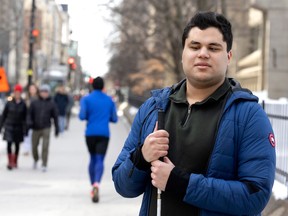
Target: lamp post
(31, 43)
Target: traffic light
(71, 60)
(35, 32)
(72, 64)
(91, 80)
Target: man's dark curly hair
(204, 20)
(98, 83)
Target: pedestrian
(14, 122)
(217, 144)
(98, 109)
(41, 112)
(69, 108)
(31, 96)
(61, 100)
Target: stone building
(11, 27)
(265, 67)
(50, 46)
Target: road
(64, 189)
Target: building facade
(50, 44)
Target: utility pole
(31, 43)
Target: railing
(135, 100)
(278, 115)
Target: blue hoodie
(243, 153)
(98, 109)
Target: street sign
(4, 85)
(30, 72)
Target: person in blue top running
(216, 153)
(98, 109)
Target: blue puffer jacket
(243, 154)
(98, 109)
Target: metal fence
(135, 100)
(278, 115)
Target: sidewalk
(64, 189)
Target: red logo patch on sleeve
(272, 139)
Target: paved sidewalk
(64, 189)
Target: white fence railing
(278, 115)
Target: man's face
(44, 94)
(205, 58)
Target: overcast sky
(91, 31)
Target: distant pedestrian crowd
(28, 118)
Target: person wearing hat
(14, 122)
(41, 112)
(98, 109)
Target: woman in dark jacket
(14, 122)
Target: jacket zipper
(188, 115)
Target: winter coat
(98, 109)
(61, 101)
(70, 103)
(41, 112)
(14, 121)
(243, 155)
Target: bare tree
(131, 22)
(11, 31)
(151, 29)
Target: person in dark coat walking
(14, 122)
(41, 112)
(61, 100)
(69, 108)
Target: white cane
(161, 123)
(158, 202)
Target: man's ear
(229, 56)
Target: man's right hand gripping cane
(156, 146)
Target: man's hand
(160, 172)
(156, 145)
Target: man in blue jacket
(216, 155)
(98, 109)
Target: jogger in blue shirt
(98, 109)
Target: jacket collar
(161, 96)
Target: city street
(64, 189)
